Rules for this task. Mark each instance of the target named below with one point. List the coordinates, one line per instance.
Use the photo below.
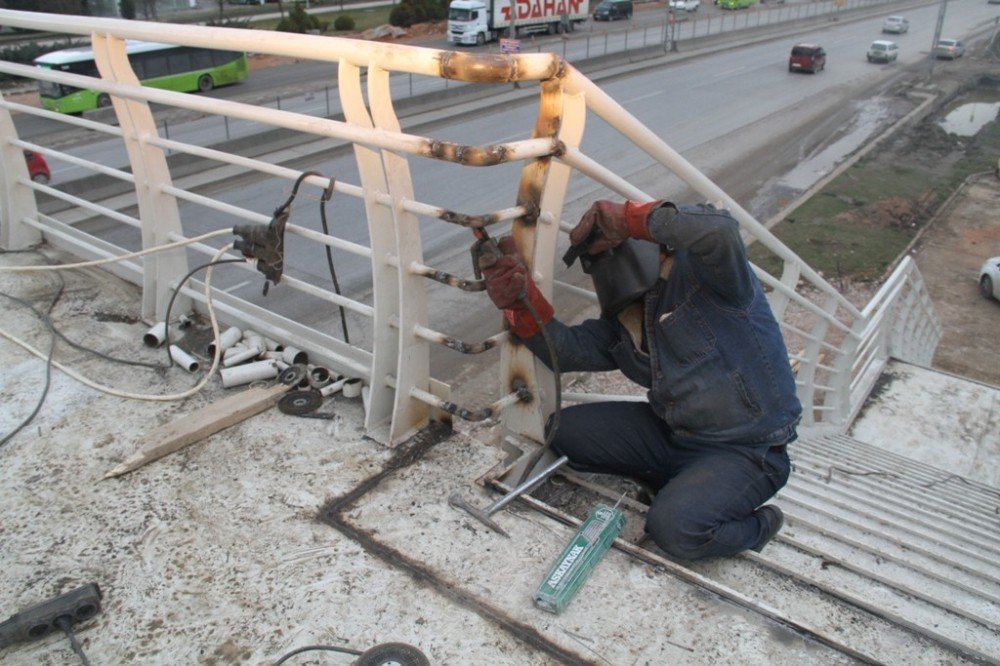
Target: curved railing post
(157, 210)
(17, 202)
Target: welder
(683, 315)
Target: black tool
(267, 244)
(300, 403)
(60, 613)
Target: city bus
(167, 66)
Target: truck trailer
(480, 21)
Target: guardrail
(832, 343)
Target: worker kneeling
(683, 315)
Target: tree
(148, 9)
(126, 8)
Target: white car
(895, 24)
(989, 278)
(686, 5)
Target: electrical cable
(173, 297)
(140, 396)
(117, 257)
(327, 193)
(324, 198)
(64, 623)
(45, 389)
(46, 319)
(328, 648)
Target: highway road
(738, 115)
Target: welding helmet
(621, 274)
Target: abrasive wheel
(392, 654)
(297, 403)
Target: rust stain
(491, 67)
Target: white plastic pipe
(155, 336)
(352, 388)
(318, 376)
(229, 338)
(330, 389)
(183, 359)
(249, 372)
(242, 356)
(294, 355)
(253, 339)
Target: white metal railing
(834, 346)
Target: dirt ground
(949, 256)
(956, 238)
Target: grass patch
(854, 227)
(364, 19)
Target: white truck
(480, 21)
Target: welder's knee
(678, 534)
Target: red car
(37, 168)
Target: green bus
(735, 4)
(167, 66)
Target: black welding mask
(621, 274)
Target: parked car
(37, 167)
(989, 278)
(807, 58)
(949, 49)
(609, 10)
(686, 5)
(882, 51)
(895, 24)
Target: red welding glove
(510, 287)
(615, 222)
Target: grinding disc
(297, 403)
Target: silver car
(895, 24)
(949, 49)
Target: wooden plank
(203, 423)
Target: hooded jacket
(711, 352)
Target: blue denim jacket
(717, 368)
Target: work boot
(773, 518)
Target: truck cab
(469, 22)
(480, 21)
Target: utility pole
(937, 36)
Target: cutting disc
(293, 375)
(297, 403)
(392, 654)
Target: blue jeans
(706, 493)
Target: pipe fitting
(243, 355)
(183, 359)
(226, 340)
(352, 387)
(249, 372)
(155, 336)
(333, 387)
(293, 355)
(318, 376)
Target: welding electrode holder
(267, 244)
(54, 614)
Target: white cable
(142, 396)
(119, 257)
